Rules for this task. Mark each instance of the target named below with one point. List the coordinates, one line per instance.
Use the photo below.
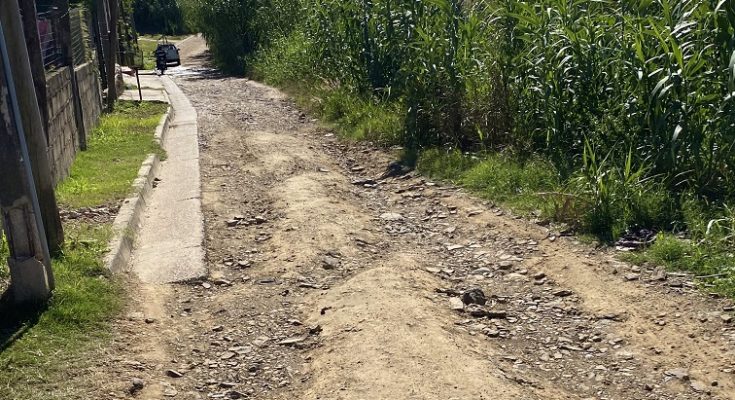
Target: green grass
(533, 186)
(707, 250)
(102, 175)
(352, 116)
(355, 118)
(349, 115)
(522, 185)
(711, 262)
(49, 351)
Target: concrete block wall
(90, 92)
(62, 129)
(63, 133)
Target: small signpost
(138, 64)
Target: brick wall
(63, 139)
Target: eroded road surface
(321, 288)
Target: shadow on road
(203, 59)
(200, 66)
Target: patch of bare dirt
(90, 215)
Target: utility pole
(32, 126)
(68, 55)
(112, 53)
(29, 261)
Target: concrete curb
(127, 222)
(164, 125)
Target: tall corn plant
(427, 54)
(648, 74)
(434, 92)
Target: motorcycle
(161, 63)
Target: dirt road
(320, 288)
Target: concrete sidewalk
(169, 246)
(150, 84)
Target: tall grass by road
(630, 102)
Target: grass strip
(102, 175)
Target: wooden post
(32, 126)
(68, 56)
(33, 43)
(112, 54)
(29, 261)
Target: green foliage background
(159, 16)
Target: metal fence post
(68, 57)
(112, 53)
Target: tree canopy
(158, 16)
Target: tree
(158, 16)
